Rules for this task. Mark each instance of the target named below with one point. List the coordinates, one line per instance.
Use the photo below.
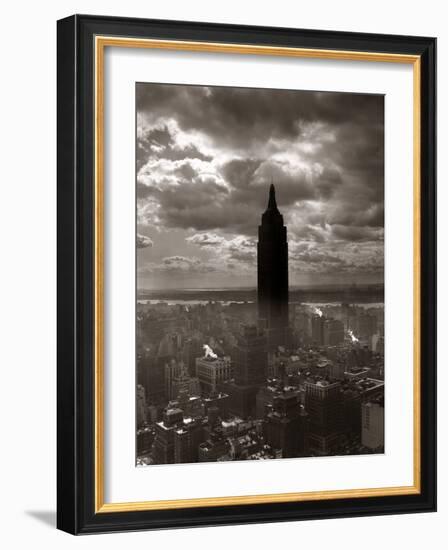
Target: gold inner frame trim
(101, 42)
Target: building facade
(373, 424)
(250, 357)
(272, 254)
(178, 379)
(212, 371)
(317, 329)
(333, 332)
(323, 403)
(142, 411)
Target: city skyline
(268, 189)
(201, 180)
(235, 380)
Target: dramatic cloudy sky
(206, 157)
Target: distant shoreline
(322, 294)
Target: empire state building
(273, 274)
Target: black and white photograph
(260, 274)
(223, 292)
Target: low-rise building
(212, 371)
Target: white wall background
(27, 289)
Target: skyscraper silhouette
(273, 274)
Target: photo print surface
(260, 274)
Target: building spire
(272, 215)
(272, 204)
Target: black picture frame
(76, 271)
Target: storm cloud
(207, 155)
(143, 241)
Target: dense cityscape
(269, 378)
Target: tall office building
(317, 329)
(272, 251)
(250, 365)
(333, 332)
(151, 375)
(142, 412)
(177, 437)
(366, 325)
(186, 441)
(323, 403)
(285, 424)
(163, 447)
(373, 424)
(177, 379)
(250, 357)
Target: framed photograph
(246, 274)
